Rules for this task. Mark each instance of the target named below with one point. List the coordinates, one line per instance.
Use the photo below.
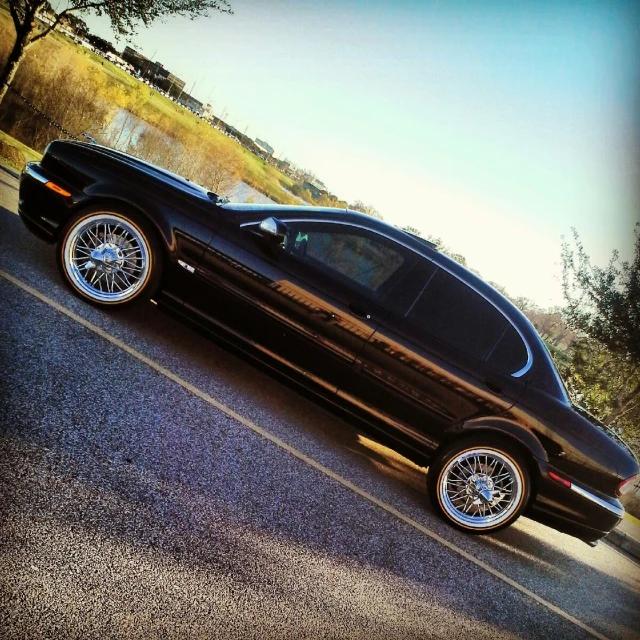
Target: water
(124, 131)
(242, 192)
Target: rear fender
(504, 430)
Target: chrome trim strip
(32, 173)
(617, 511)
(186, 266)
(561, 386)
(51, 223)
(518, 373)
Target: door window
(355, 256)
(454, 313)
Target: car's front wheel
(479, 486)
(110, 257)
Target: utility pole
(149, 62)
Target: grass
(14, 154)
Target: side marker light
(557, 478)
(56, 189)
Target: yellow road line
(298, 454)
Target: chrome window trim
(32, 173)
(617, 511)
(344, 223)
(561, 386)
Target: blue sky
(496, 126)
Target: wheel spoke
(93, 236)
(122, 280)
(133, 268)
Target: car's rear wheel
(479, 486)
(110, 257)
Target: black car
(369, 317)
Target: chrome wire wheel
(481, 488)
(107, 258)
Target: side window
(454, 313)
(354, 255)
(405, 292)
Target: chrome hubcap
(107, 257)
(481, 488)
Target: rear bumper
(575, 510)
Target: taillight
(627, 485)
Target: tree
(603, 305)
(369, 209)
(78, 25)
(125, 15)
(412, 231)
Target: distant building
(191, 103)
(154, 72)
(135, 59)
(176, 84)
(316, 191)
(115, 59)
(207, 113)
(265, 147)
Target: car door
(311, 302)
(444, 354)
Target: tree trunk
(24, 34)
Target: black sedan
(365, 315)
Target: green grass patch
(14, 154)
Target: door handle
(493, 387)
(359, 312)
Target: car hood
(157, 172)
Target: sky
(496, 126)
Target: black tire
(479, 485)
(110, 256)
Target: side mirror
(275, 230)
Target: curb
(625, 542)
(11, 172)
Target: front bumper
(42, 210)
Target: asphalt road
(153, 484)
